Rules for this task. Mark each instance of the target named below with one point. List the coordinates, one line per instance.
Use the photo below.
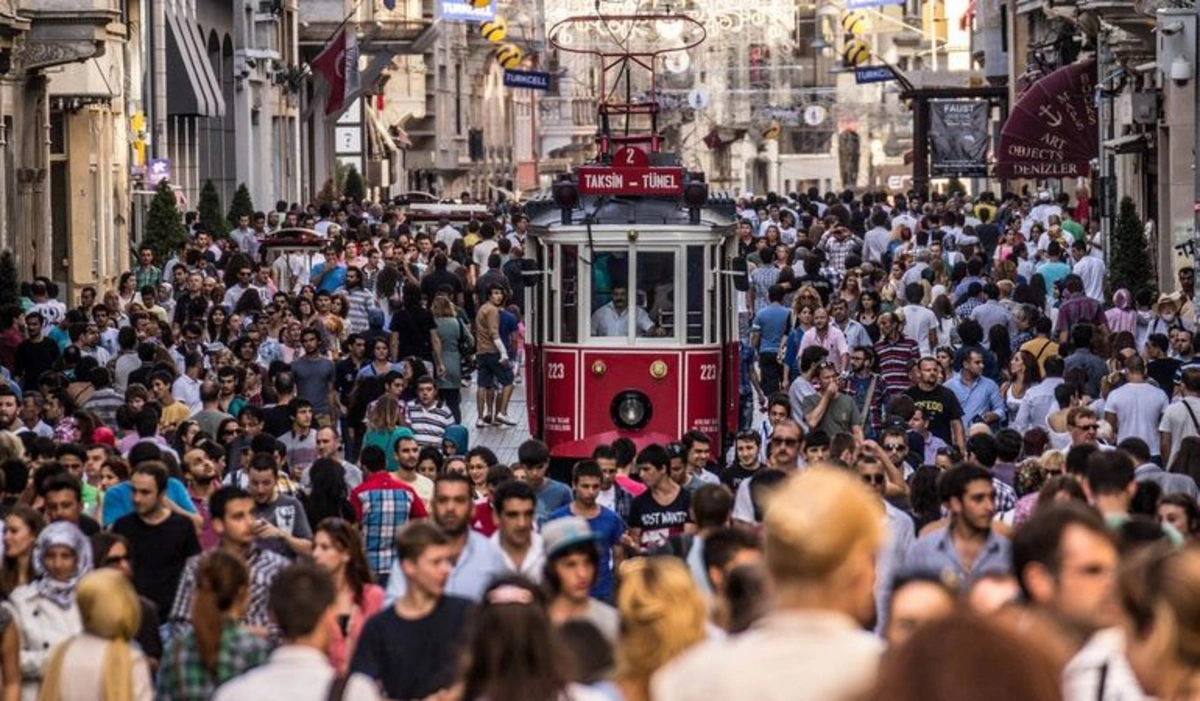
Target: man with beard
(522, 547)
(37, 354)
(606, 526)
(476, 559)
(202, 483)
(8, 408)
(160, 540)
(1065, 559)
(968, 548)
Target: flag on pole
(338, 65)
(389, 4)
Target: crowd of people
(965, 468)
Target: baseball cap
(562, 533)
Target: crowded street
(501, 350)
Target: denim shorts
(492, 373)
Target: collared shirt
(147, 276)
(833, 341)
(901, 532)
(383, 504)
(187, 390)
(1171, 483)
(855, 333)
(977, 398)
(895, 359)
(296, 673)
(535, 557)
(936, 556)
(429, 424)
(1080, 309)
(607, 321)
(264, 565)
(1037, 404)
(183, 676)
(359, 303)
(478, 564)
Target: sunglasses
(874, 479)
(890, 447)
(114, 560)
(1086, 427)
(789, 442)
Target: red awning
(1052, 130)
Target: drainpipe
(159, 47)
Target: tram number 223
(708, 372)
(556, 371)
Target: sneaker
(483, 421)
(503, 419)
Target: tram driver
(612, 319)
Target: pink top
(341, 647)
(630, 485)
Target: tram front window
(616, 305)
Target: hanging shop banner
(465, 11)
(1052, 130)
(958, 138)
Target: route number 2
(556, 371)
(708, 372)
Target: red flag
(338, 65)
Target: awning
(1052, 130)
(192, 86)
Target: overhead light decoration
(856, 52)
(495, 30)
(509, 56)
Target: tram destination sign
(636, 180)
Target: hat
(1044, 196)
(562, 533)
(1165, 299)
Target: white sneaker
(503, 419)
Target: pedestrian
(338, 549)
(101, 657)
(606, 526)
(412, 647)
(302, 601)
(571, 571)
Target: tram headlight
(630, 410)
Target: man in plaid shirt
(147, 273)
(383, 504)
(232, 510)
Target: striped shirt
(383, 504)
(264, 565)
(429, 424)
(895, 359)
(359, 301)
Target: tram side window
(569, 291)
(695, 282)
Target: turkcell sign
(527, 79)
(465, 11)
(873, 74)
(597, 180)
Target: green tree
(1129, 255)
(354, 188)
(240, 206)
(328, 193)
(209, 209)
(164, 224)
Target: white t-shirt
(918, 322)
(479, 254)
(1091, 271)
(1176, 421)
(1138, 407)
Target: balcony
(409, 28)
(67, 31)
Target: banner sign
(638, 180)
(861, 4)
(1051, 131)
(958, 138)
(527, 79)
(873, 74)
(465, 11)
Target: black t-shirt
(657, 522)
(940, 406)
(34, 360)
(276, 421)
(818, 283)
(733, 476)
(436, 279)
(159, 554)
(413, 659)
(412, 327)
(1162, 371)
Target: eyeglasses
(789, 442)
(114, 560)
(874, 479)
(892, 447)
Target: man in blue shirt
(767, 331)
(330, 276)
(979, 396)
(552, 495)
(967, 548)
(605, 524)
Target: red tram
(632, 322)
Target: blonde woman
(99, 664)
(663, 614)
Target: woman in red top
(338, 548)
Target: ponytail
(221, 579)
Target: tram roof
(544, 212)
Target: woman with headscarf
(45, 610)
(1122, 317)
(100, 664)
